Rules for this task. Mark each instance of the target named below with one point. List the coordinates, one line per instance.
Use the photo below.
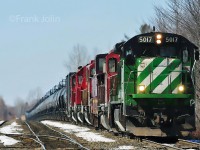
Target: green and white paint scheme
(159, 75)
(164, 68)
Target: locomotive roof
(182, 39)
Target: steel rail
(2, 122)
(162, 145)
(189, 143)
(38, 140)
(69, 139)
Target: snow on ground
(69, 128)
(82, 132)
(1, 121)
(7, 140)
(172, 145)
(13, 128)
(125, 147)
(93, 137)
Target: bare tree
(77, 57)
(181, 17)
(3, 109)
(126, 37)
(33, 97)
(11, 113)
(145, 28)
(20, 106)
(168, 20)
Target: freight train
(144, 86)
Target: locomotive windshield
(168, 51)
(153, 51)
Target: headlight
(158, 41)
(158, 38)
(181, 88)
(141, 88)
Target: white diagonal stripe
(144, 64)
(156, 72)
(175, 91)
(163, 85)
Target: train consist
(144, 86)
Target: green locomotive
(155, 86)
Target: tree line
(20, 106)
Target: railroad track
(184, 144)
(31, 137)
(56, 136)
(157, 145)
(37, 138)
(2, 122)
(179, 145)
(43, 136)
(37, 135)
(68, 138)
(149, 143)
(23, 138)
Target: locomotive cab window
(141, 50)
(148, 51)
(112, 64)
(101, 62)
(92, 72)
(185, 55)
(168, 51)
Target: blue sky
(33, 50)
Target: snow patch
(93, 137)
(69, 128)
(14, 128)
(82, 132)
(172, 145)
(1, 121)
(125, 147)
(8, 140)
